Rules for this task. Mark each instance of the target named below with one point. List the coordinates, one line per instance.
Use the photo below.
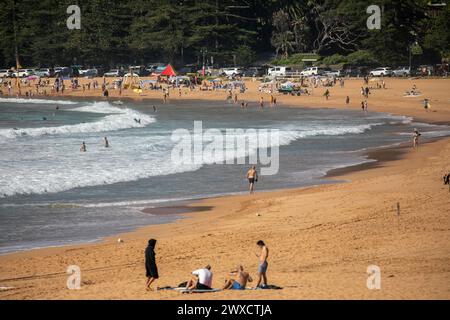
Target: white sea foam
(37, 101)
(117, 119)
(125, 161)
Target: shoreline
(224, 219)
(379, 156)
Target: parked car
(381, 72)
(210, 72)
(5, 73)
(232, 72)
(331, 73)
(22, 73)
(278, 71)
(310, 71)
(88, 73)
(187, 69)
(44, 72)
(63, 72)
(253, 72)
(113, 73)
(355, 71)
(401, 72)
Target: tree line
(224, 32)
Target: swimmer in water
(106, 142)
(83, 147)
(137, 120)
(154, 109)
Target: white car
(22, 73)
(311, 71)
(278, 71)
(232, 72)
(402, 72)
(381, 72)
(113, 73)
(88, 73)
(5, 73)
(44, 72)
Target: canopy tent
(168, 71)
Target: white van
(278, 71)
(311, 71)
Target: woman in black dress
(150, 263)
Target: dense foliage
(223, 32)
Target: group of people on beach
(202, 279)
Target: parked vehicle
(310, 71)
(210, 72)
(253, 72)
(331, 73)
(278, 71)
(187, 69)
(401, 72)
(63, 72)
(381, 72)
(5, 73)
(22, 73)
(88, 73)
(232, 72)
(44, 72)
(114, 73)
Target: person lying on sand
(239, 282)
(202, 279)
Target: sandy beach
(321, 239)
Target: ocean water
(52, 194)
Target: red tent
(168, 71)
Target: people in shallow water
(137, 120)
(106, 142)
(83, 147)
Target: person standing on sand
(262, 266)
(150, 263)
(252, 176)
(416, 136)
(347, 100)
(327, 94)
(261, 102)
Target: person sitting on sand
(150, 263)
(252, 176)
(202, 279)
(240, 282)
(262, 267)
